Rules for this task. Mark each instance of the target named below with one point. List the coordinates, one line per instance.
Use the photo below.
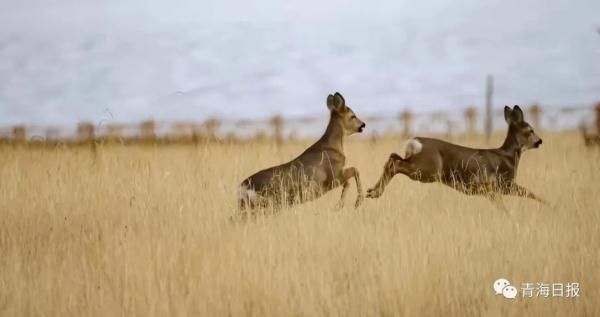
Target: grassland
(145, 231)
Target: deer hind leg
(347, 174)
(248, 198)
(395, 165)
(252, 201)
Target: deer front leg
(348, 173)
(345, 187)
(389, 170)
(518, 190)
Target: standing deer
(319, 169)
(489, 172)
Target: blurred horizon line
(465, 120)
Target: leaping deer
(319, 169)
(489, 172)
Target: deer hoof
(373, 193)
(359, 201)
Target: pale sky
(62, 61)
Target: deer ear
(330, 105)
(340, 98)
(507, 114)
(517, 114)
(335, 102)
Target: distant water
(64, 61)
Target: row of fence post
(87, 131)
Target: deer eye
(353, 117)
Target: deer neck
(511, 147)
(333, 138)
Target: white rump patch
(413, 147)
(247, 194)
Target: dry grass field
(145, 231)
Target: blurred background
(241, 68)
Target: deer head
(348, 119)
(522, 131)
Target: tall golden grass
(145, 231)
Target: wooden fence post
(470, 119)
(489, 93)
(196, 133)
(535, 112)
(211, 126)
(277, 126)
(86, 135)
(598, 118)
(148, 130)
(85, 132)
(19, 133)
(406, 118)
(449, 129)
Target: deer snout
(362, 127)
(538, 143)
